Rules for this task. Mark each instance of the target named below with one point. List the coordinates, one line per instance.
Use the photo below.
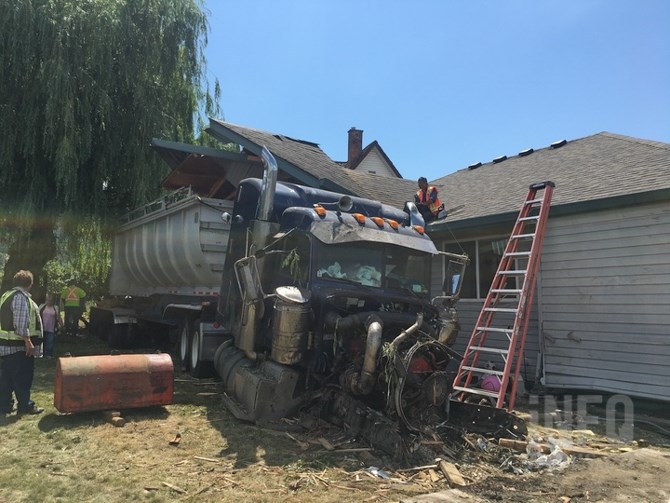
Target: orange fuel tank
(113, 382)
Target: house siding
(375, 163)
(605, 301)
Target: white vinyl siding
(375, 163)
(605, 295)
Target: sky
(442, 84)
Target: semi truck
(297, 297)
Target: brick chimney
(355, 145)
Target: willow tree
(84, 86)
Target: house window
(485, 256)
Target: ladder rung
(477, 391)
(490, 350)
(484, 371)
(518, 254)
(499, 330)
(533, 201)
(534, 217)
(523, 236)
(501, 309)
(513, 272)
(514, 291)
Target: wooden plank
(452, 474)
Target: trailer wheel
(185, 338)
(198, 367)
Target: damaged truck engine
(325, 304)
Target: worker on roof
(427, 200)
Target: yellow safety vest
(9, 337)
(72, 296)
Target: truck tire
(185, 338)
(197, 367)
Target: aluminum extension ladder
(513, 285)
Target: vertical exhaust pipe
(269, 185)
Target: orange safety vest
(433, 206)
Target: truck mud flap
(486, 420)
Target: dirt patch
(194, 450)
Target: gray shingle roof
(600, 166)
(313, 162)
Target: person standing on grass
(20, 343)
(72, 298)
(50, 322)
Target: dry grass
(81, 457)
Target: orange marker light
(419, 229)
(393, 224)
(359, 217)
(320, 210)
(379, 221)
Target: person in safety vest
(20, 343)
(427, 202)
(72, 298)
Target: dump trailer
(325, 304)
(167, 261)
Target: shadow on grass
(74, 420)
(242, 442)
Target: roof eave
(638, 198)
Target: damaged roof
(306, 162)
(593, 172)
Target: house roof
(306, 162)
(588, 172)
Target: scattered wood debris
(452, 474)
(114, 417)
(521, 445)
(174, 487)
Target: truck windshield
(380, 266)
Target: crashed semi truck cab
(327, 297)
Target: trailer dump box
(176, 245)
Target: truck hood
(342, 232)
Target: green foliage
(85, 85)
(84, 254)
(292, 263)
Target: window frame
(457, 246)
